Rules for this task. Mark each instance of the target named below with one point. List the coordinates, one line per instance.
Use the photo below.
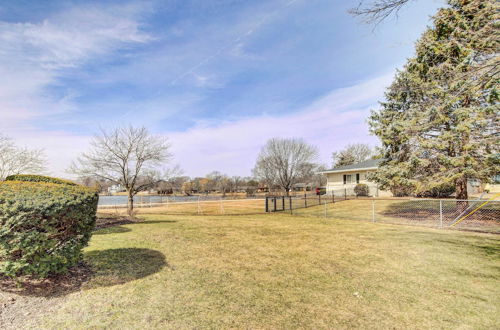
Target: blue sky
(218, 78)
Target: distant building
(343, 179)
(116, 188)
(302, 187)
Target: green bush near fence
(44, 225)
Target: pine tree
(439, 124)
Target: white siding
(335, 183)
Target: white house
(115, 189)
(343, 179)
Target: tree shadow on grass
(424, 209)
(101, 268)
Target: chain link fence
(195, 205)
(477, 215)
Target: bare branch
(17, 160)
(281, 162)
(377, 11)
(128, 156)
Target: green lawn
(280, 271)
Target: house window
(357, 177)
(347, 178)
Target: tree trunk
(461, 188)
(461, 193)
(130, 204)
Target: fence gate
(276, 203)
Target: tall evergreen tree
(439, 124)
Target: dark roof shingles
(370, 163)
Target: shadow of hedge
(119, 266)
(101, 268)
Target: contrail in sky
(222, 49)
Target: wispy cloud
(331, 122)
(34, 55)
(218, 77)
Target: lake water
(122, 200)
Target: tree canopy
(129, 156)
(439, 122)
(16, 160)
(353, 153)
(283, 162)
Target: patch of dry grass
(419, 212)
(281, 271)
(216, 207)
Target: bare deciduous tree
(218, 181)
(235, 183)
(352, 154)
(128, 156)
(281, 162)
(17, 160)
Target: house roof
(370, 164)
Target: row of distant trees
(137, 160)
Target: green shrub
(361, 189)
(44, 226)
(38, 178)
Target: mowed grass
(418, 212)
(283, 272)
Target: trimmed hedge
(361, 189)
(38, 178)
(44, 226)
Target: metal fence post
(345, 193)
(333, 197)
(373, 210)
(325, 209)
(267, 204)
(305, 200)
(291, 208)
(440, 213)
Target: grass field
(215, 207)
(418, 212)
(274, 272)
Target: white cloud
(329, 123)
(34, 55)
